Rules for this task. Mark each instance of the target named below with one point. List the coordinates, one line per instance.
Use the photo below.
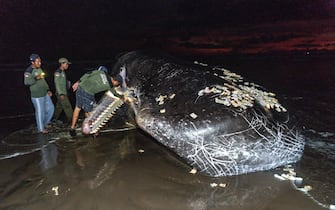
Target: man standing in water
(61, 84)
(87, 87)
(39, 92)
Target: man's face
(37, 63)
(115, 82)
(64, 66)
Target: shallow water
(129, 170)
(112, 172)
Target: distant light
(307, 52)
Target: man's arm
(60, 84)
(29, 79)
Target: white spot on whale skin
(172, 96)
(193, 115)
(201, 93)
(199, 63)
(161, 98)
(207, 90)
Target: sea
(127, 169)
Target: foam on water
(322, 142)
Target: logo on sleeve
(104, 78)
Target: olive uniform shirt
(38, 88)
(60, 82)
(96, 81)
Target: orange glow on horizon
(283, 37)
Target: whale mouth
(106, 108)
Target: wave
(322, 142)
(11, 148)
(323, 134)
(16, 116)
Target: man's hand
(49, 93)
(75, 86)
(61, 97)
(40, 76)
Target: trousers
(44, 110)
(63, 105)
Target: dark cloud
(306, 46)
(204, 45)
(268, 38)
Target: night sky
(98, 29)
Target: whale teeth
(103, 111)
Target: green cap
(63, 60)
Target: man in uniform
(61, 84)
(39, 92)
(87, 87)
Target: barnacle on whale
(237, 93)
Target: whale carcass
(214, 119)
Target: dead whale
(214, 119)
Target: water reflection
(97, 167)
(49, 153)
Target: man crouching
(87, 87)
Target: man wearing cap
(39, 92)
(87, 87)
(61, 84)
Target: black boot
(73, 132)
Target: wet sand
(129, 170)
